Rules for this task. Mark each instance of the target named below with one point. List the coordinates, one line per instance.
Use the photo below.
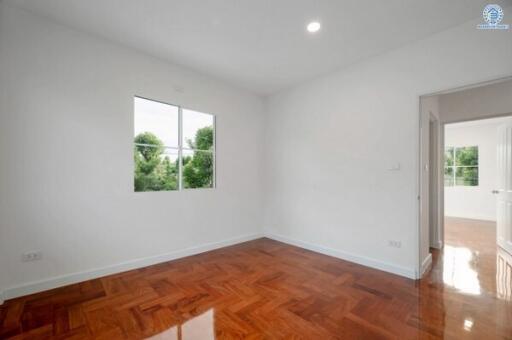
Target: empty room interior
(232, 169)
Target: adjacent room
(229, 169)
(471, 205)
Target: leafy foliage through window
(461, 166)
(174, 148)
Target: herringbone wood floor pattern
(261, 289)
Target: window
(461, 166)
(174, 148)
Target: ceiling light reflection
(468, 324)
(201, 328)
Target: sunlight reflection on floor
(458, 271)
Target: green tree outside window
(154, 170)
(461, 166)
(198, 170)
(157, 170)
(174, 148)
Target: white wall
(331, 140)
(475, 202)
(66, 179)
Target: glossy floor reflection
(265, 289)
(472, 262)
(201, 327)
(467, 292)
(458, 271)
(504, 275)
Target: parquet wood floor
(264, 289)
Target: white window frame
(454, 167)
(180, 146)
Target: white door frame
(436, 236)
(430, 225)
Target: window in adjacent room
(174, 148)
(461, 166)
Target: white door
(504, 189)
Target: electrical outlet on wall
(395, 244)
(31, 256)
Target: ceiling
(260, 45)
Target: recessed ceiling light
(314, 27)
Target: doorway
(471, 179)
(459, 194)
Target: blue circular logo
(493, 14)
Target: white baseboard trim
(437, 245)
(474, 217)
(425, 265)
(67, 279)
(362, 260)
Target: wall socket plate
(395, 244)
(31, 256)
